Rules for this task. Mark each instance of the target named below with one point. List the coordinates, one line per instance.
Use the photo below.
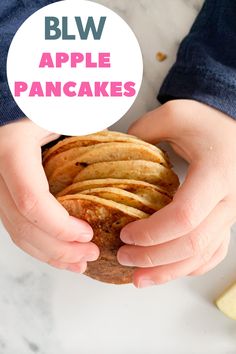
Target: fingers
(77, 268)
(165, 253)
(192, 203)
(173, 120)
(42, 256)
(24, 234)
(218, 257)
(25, 179)
(160, 275)
(201, 242)
(154, 126)
(35, 253)
(52, 250)
(55, 250)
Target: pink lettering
(85, 90)
(104, 60)
(130, 90)
(76, 58)
(61, 58)
(46, 60)
(67, 89)
(100, 89)
(53, 89)
(36, 89)
(116, 89)
(20, 86)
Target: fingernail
(90, 257)
(126, 237)
(125, 259)
(77, 268)
(145, 282)
(85, 237)
(82, 230)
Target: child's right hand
(36, 222)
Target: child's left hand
(191, 235)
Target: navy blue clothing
(12, 14)
(205, 69)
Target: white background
(64, 313)
(75, 115)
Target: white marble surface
(46, 311)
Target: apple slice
(227, 302)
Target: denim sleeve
(12, 14)
(205, 69)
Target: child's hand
(36, 222)
(191, 235)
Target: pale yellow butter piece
(227, 302)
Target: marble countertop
(47, 311)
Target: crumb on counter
(161, 56)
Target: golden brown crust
(131, 185)
(121, 179)
(93, 139)
(106, 221)
(64, 171)
(124, 197)
(141, 170)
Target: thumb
(156, 125)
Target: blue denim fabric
(12, 14)
(205, 69)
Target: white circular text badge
(74, 67)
